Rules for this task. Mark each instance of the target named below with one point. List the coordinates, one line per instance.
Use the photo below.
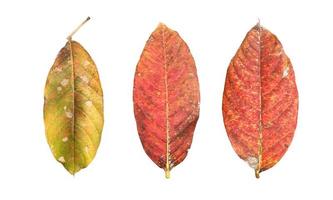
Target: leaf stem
(257, 172)
(167, 173)
(77, 28)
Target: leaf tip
(71, 171)
(258, 26)
(161, 25)
(258, 23)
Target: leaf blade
(166, 98)
(260, 84)
(73, 108)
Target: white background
(32, 33)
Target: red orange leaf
(260, 100)
(166, 98)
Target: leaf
(260, 100)
(166, 98)
(73, 108)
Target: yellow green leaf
(73, 108)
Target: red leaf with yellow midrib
(166, 98)
(260, 100)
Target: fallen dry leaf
(166, 98)
(260, 100)
(73, 107)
